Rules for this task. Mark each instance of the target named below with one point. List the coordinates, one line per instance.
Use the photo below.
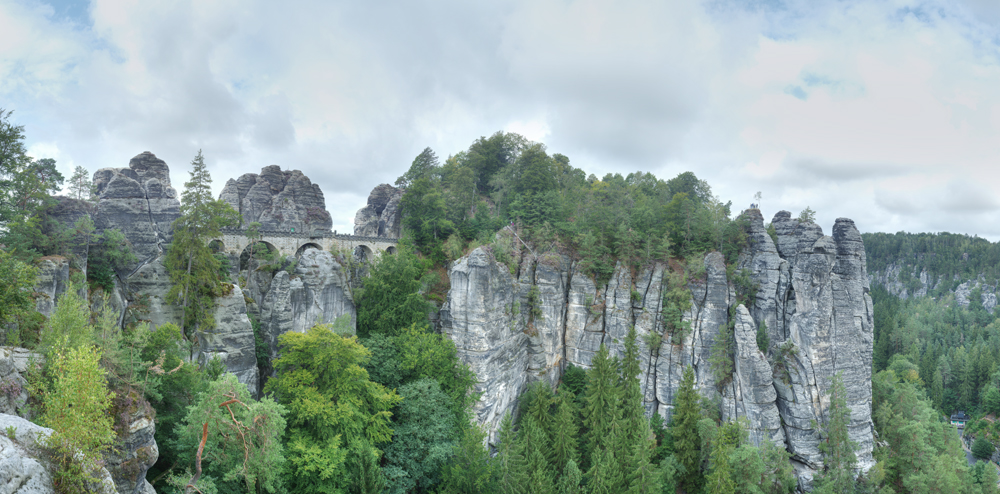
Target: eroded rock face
(813, 297)
(24, 471)
(231, 340)
(278, 200)
(381, 217)
(133, 453)
(317, 293)
(14, 364)
(139, 202)
(51, 282)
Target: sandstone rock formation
(813, 297)
(14, 363)
(381, 217)
(278, 200)
(133, 453)
(319, 292)
(23, 468)
(51, 282)
(139, 202)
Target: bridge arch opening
(309, 245)
(217, 246)
(391, 249)
(260, 250)
(363, 253)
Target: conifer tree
(687, 442)
(644, 477)
(601, 410)
(193, 268)
(80, 184)
(569, 482)
(633, 415)
(505, 459)
(564, 432)
(839, 460)
(605, 475)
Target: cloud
(885, 111)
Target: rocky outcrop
(382, 216)
(278, 200)
(51, 282)
(813, 297)
(70, 213)
(139, 202)
(134, 452)
(14, 365)
(23, 466)
(231, 339)
(318, 292)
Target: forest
(388, 409)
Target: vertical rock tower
(813, 296)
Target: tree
(390, 300)
(423, 165)
(425, 436)
(69, 327)
(763, 340)
(17, 284)
(242, 436)
(839, 460)
(335, 412)
(80, 184)
(601, 410)
(982, 449)
(469, 469)
(807, 215)
(687, 441)
(13, 161)
(193, 267)
(76, 408)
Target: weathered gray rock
(68, 212)
(149, 286)
(278, 200)
(381, 216)
(14, 364)
(231, 339)
(134, 452)
(51, 282)
(139, 202)
(479, 316)
(319, 292)
(23, 467)
(813, 294)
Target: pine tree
(569, 482)
(193, 267)
(601, 409)
(605, 474)
(80, 184)
(687, 442)
(644, 477)
(565, 431)
(839, 460)
(505, 460)
(633, 415)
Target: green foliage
(764, 470)
(17, 283)
(807, 215)
(243, 442)
(982, 449)
(839, 460)
(423, 166)
(676, 302)
(76, 408)
(335, 412)
(469, 469)
(722, 357)
(194, 270)
(80, 184)
(763, 340)
(110, 253)
(425, 436)
(687, 440)
(69, 327)
(390, 300)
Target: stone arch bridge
(293, 243)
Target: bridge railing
(312, 234)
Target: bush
(982, 449)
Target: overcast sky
(886, 112)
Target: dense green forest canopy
(948, 258)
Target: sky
(885, 112)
